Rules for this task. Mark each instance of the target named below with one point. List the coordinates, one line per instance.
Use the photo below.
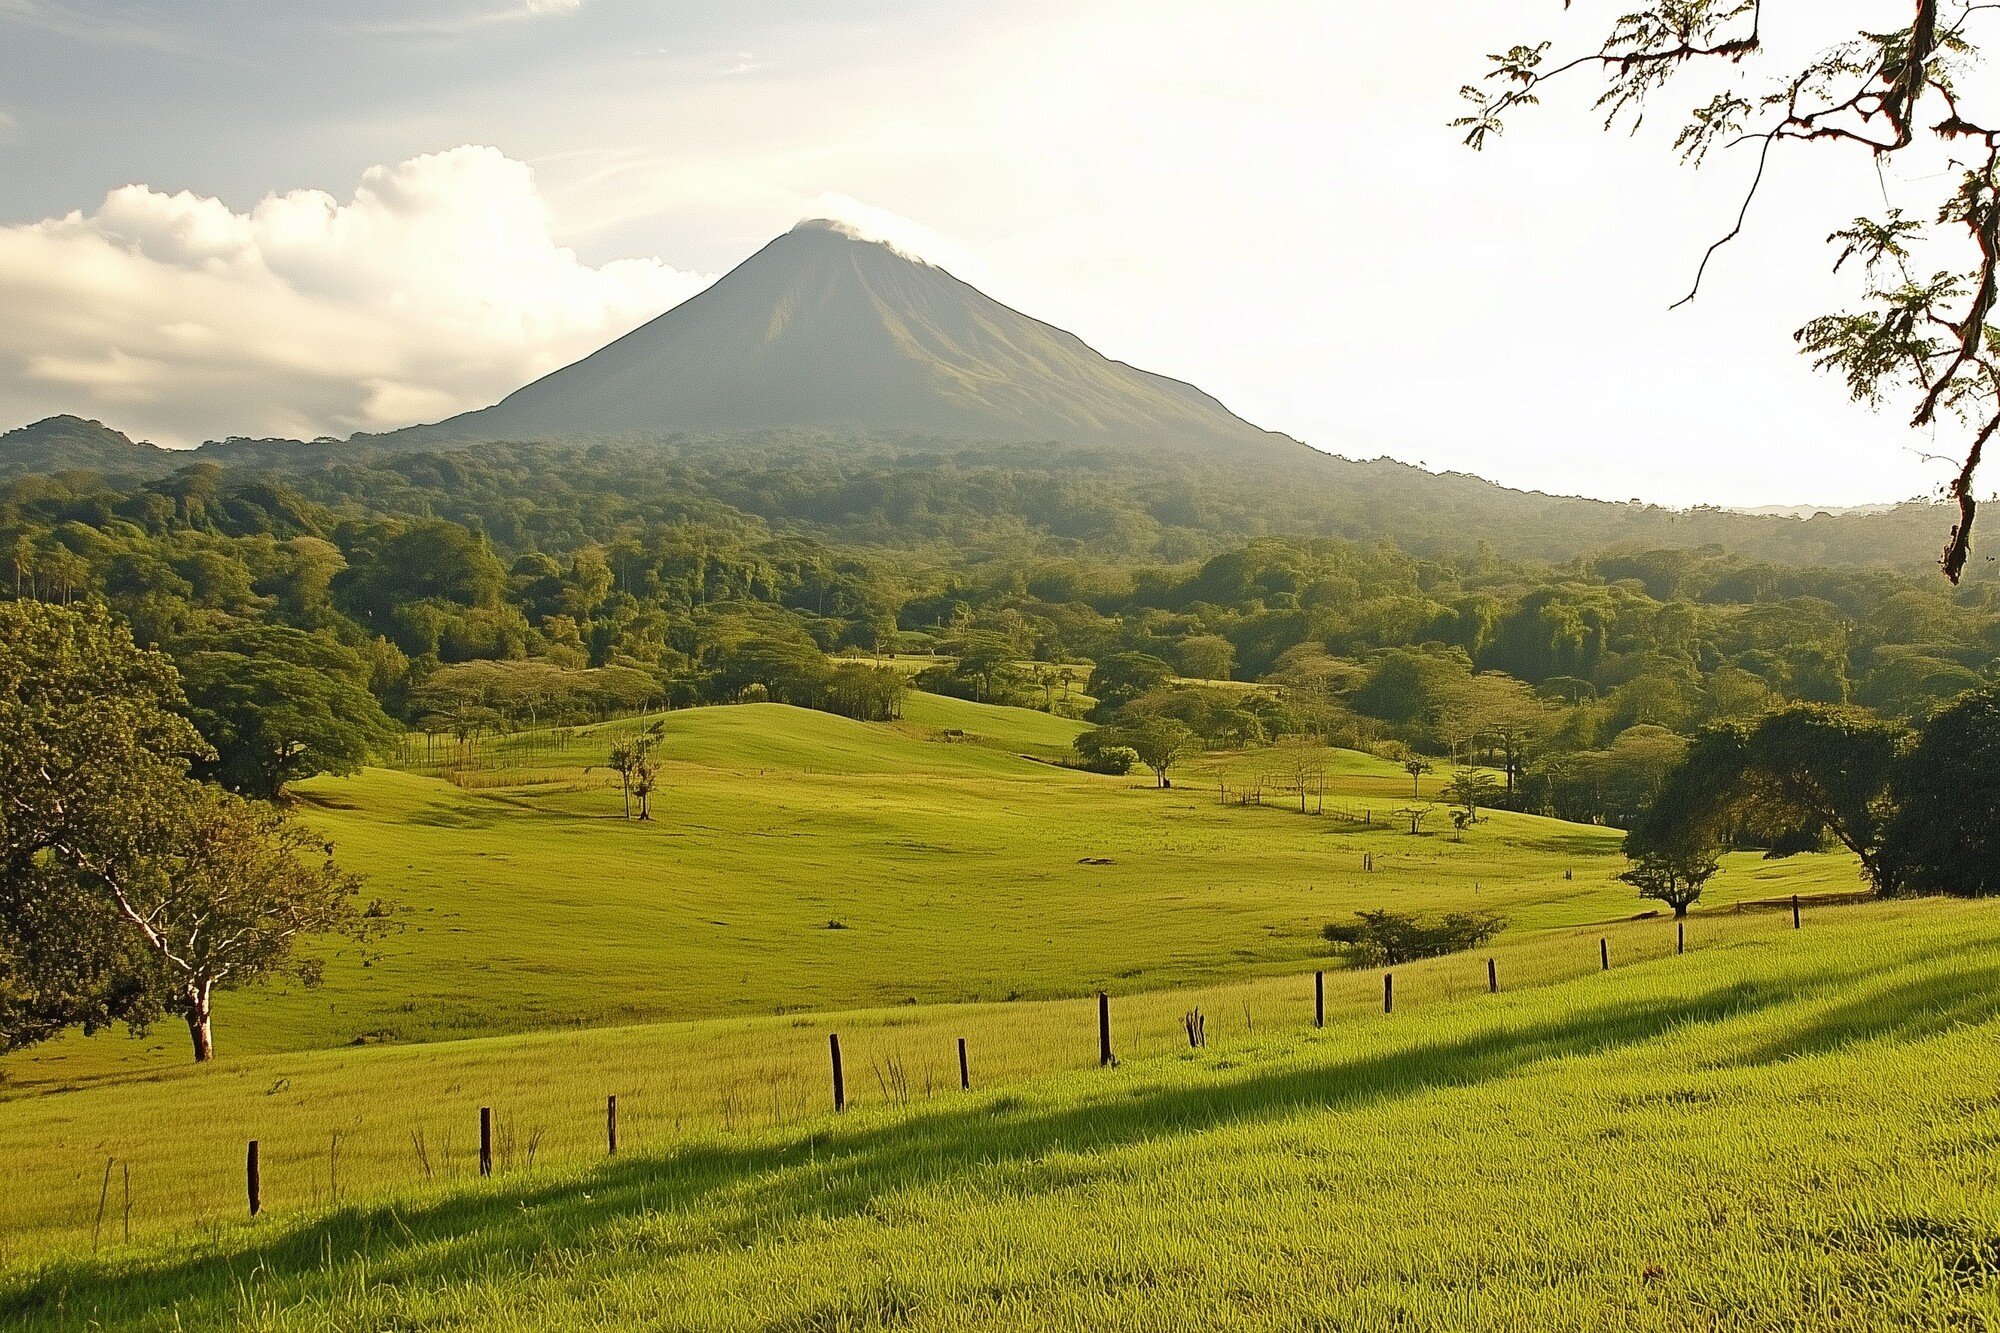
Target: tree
(1924, 327)
(1945, 834)
(1207, 657)
(1674, 877)
(1804, 770)
(1416, 814)
(227, 897)
(645, 772)
(1382, 938)
(1103, 750)
(1305, 764)
(96, 751)
(126, 889)
(1468, 789)
(1416, 766)
(272, 718)
(638, 773)
(1160, 743)
(1122, 677)
(1510, 716)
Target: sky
(240, 217)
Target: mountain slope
(826, 330)
(56, 444)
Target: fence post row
(253, 1173)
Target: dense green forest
(315, 613)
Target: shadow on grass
(724, 1196)
(1909, 1010)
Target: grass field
(958, 871)
(553, 954)
(1780, 1130)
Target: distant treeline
(509, 586)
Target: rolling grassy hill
(1780, 1130)
(958, 869)
(907, 883)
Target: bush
(1117, 760)
(1377, 939)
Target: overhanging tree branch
(1931, 338)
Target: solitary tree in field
(1160, 742)
(1468, 790)
(1672, 877)
(1305, 764)
(1416, 814)
(1416, 766)
(645, 772)
(1911, 93)
(637, 771)
(126, 889)
(92, 751)
(226, 899)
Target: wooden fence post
(253, 1177)
(1604, 953)
(1680, 937)
(1388, 992)
(839, 1078)
(964, 1069)
(1319, 999)
(1103, 1028)
(1795, 911)
(485, 1140)
(1492, 977)
(611, 1124)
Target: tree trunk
(1680, 911)
(199, 1021)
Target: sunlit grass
(957, 871)
(1780, 1130)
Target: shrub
(1380, 938)
(1117, 760)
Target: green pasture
(1780, 1130)
(800, 861)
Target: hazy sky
(253, 218)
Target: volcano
(825, 329)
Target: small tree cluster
(1918, 812)
(638, 772)
(1382, 938)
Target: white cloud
(899, 232)
(436, 288)
(454, 24)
